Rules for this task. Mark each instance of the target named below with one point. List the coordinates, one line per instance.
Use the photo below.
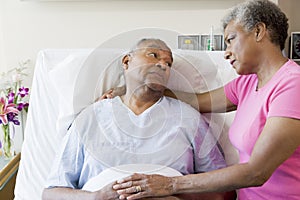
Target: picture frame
(188, 42)
(295, 46)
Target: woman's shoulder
(288, 75)
(242, 82)
(292, 68)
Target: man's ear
(260, 31)
(125, 61)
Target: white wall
(29, 26)
(2, 57)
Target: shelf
(8, 169)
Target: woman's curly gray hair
(252, 12)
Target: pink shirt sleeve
(285, 101)
(235, 90)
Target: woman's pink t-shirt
(280, 97)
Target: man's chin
(156, 87)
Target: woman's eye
(229, 39)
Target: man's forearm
(61, 193)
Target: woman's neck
(269, 67)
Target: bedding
(116, 173)
(65, 81)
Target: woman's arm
(277, 142)
(212, 101)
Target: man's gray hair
(156, 43)
(252, 12)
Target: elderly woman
(266, 127)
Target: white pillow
(76, 80)
(116, 173)
(192, 71)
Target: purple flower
(11, 97)
(23, 91)
(13, 117)
(26, 105)
(20, 106)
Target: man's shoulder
(89, 112)
(88, 118)
(185, 106)
(95, 106)
(185, 109)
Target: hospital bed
(65, 81)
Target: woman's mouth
(232, 61)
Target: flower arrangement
(13, 100)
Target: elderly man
(142, 126)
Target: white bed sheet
(62, 87)
(116, 173)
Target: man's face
(150, 65)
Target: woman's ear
(260, 31)
(125, 61)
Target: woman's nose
(227, 54)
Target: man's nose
(163, 65)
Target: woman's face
(241, 51)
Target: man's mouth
(156, 73)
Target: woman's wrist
(98, 195)
(174, 185)
(182, 184)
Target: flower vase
(7, 141)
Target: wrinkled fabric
(108, 134)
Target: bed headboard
(65, 81)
